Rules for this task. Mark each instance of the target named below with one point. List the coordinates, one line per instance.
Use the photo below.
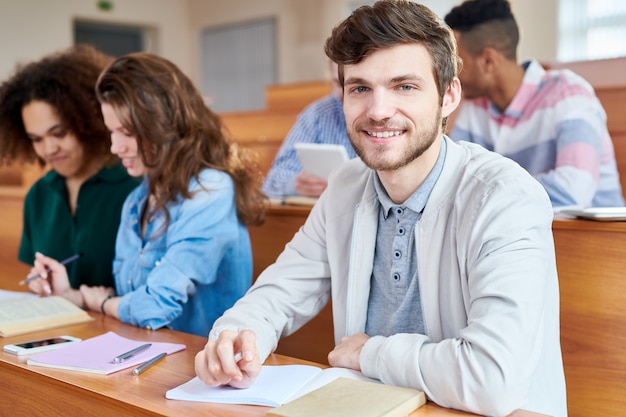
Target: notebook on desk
(608, 214)
(294, 200)
(96, 355)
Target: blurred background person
(320, 122)
(549, 122)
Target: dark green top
(50, 228)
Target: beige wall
(302, 28)
(32, 28)
(538, 21)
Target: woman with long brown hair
(183, 253)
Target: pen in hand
(63, 262)
(144, 366)
(133, 352)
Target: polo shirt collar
(416, 201)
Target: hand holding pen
(48, 270)
(55, 280)
(239, 362)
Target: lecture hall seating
(263, 131)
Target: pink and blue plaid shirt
(555, 128)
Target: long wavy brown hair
(178, 135)
(65, 80)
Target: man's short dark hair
(485, 24)
(388, 23)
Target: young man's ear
(488, 60)
(451, 98)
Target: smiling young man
(438, 256)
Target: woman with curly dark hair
(49, 114)
(183, 253)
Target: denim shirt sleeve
(157, 282)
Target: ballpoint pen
(124, 356)
(63, 262)
(144, 366)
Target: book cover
(95, 355)
(31, 314)
(275, 386)
(349, 397)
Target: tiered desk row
(591, 261)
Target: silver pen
(144, 366)
(124, 356)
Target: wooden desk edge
(105, 390)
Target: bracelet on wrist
(103, 302)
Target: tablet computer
(320, 159)
(607, 214)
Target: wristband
(104, 301)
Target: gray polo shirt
(394, 304)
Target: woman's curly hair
(66, 81)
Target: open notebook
(309, 391)
(275, 385)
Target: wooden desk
(269, 239)
(591, 262)
(38, 391)
(12, 270)
(315, 339)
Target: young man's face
(392, 107)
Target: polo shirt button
(399, 211)
(396, 276)
(401, 231)
(397, 254)
(157, 263)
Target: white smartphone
(41, 345)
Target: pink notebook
(96, 355)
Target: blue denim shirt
(186, 276)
